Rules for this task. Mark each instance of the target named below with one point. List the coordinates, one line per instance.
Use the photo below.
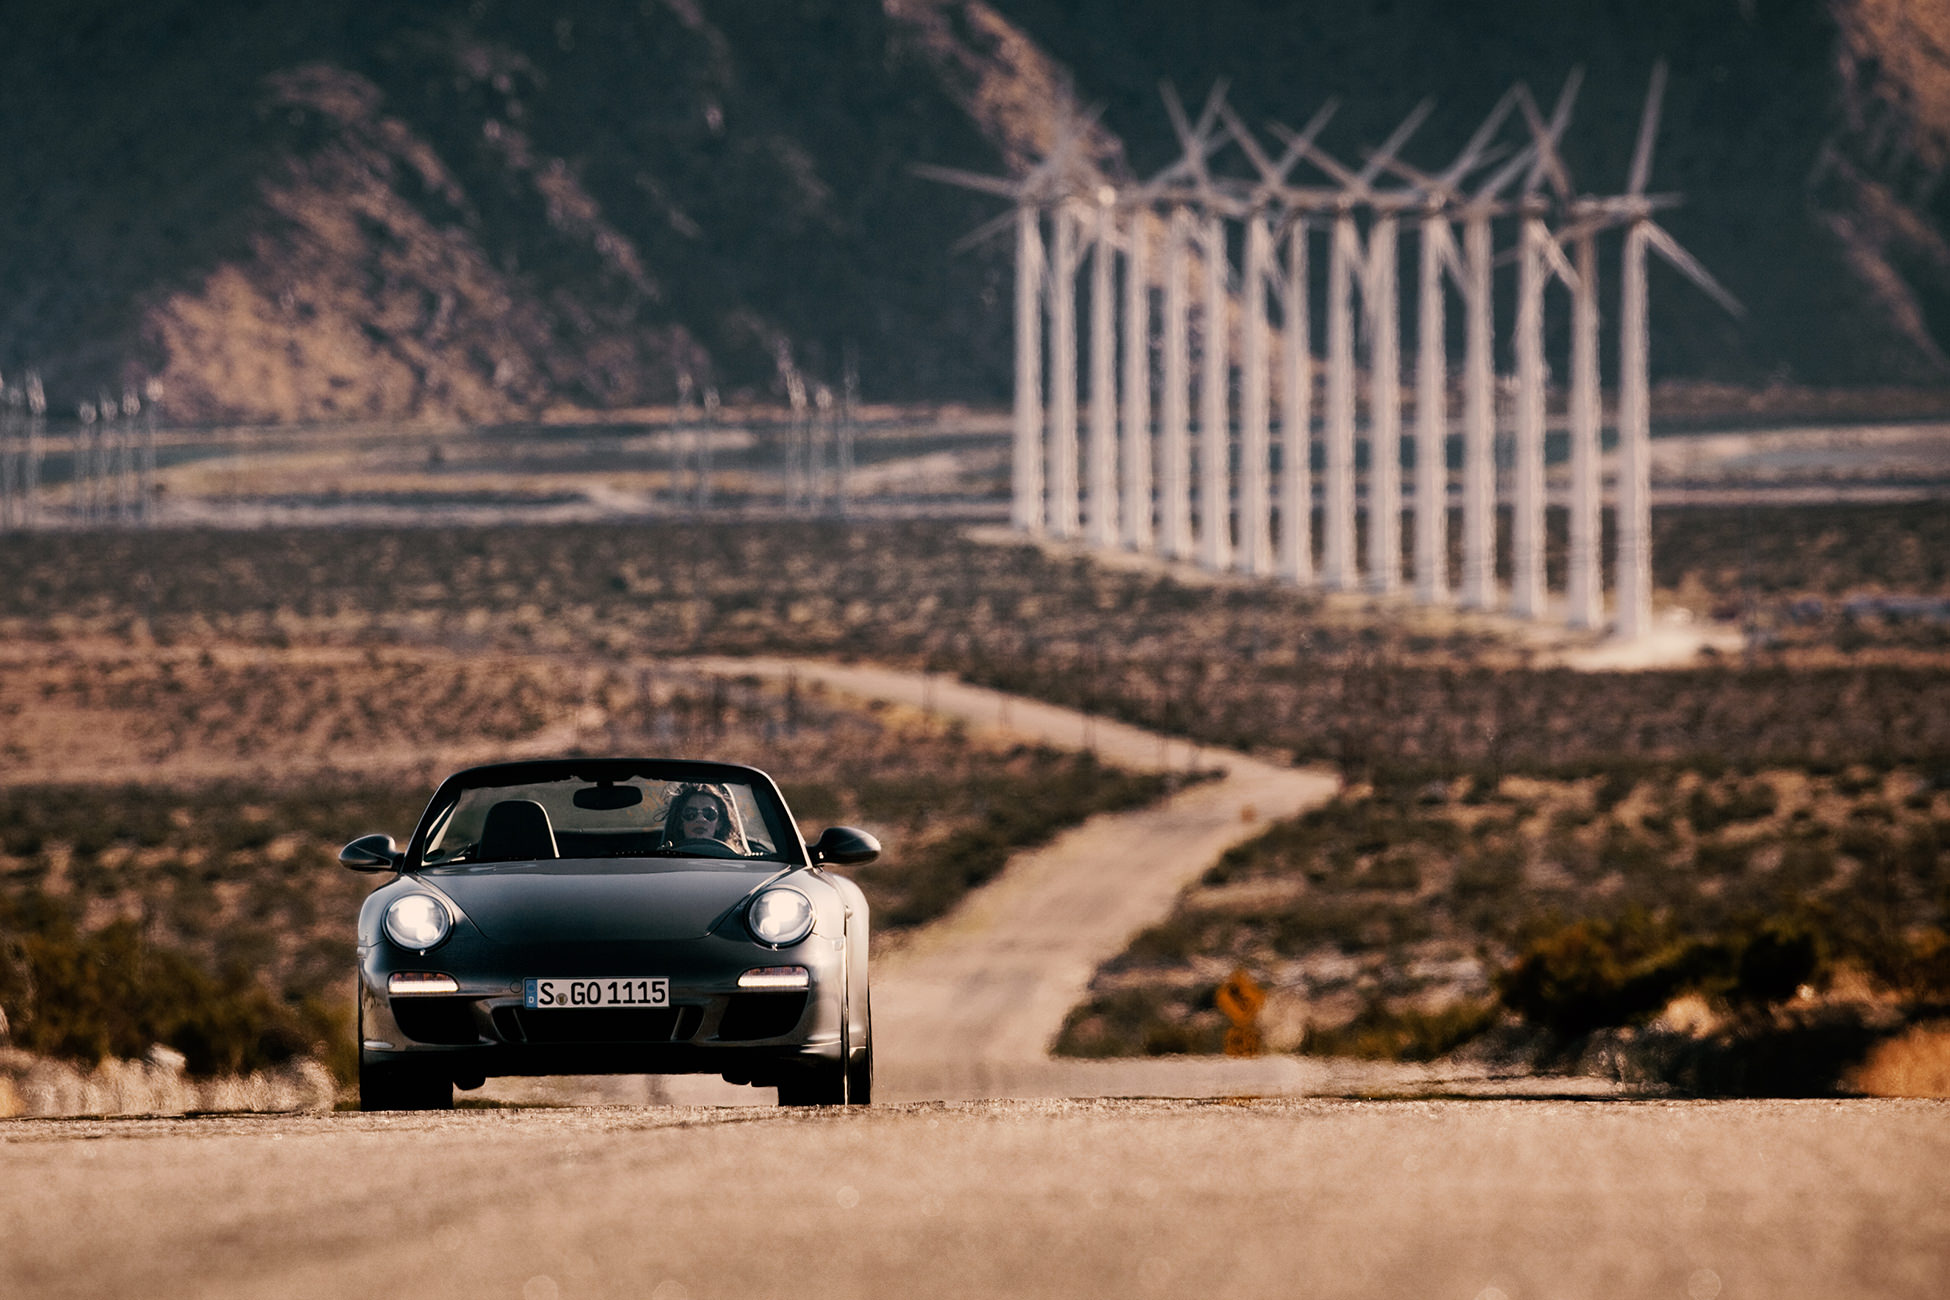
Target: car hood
(595, 900)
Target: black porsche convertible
(612, 916)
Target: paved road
(1524, 1200)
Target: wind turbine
(1256, 552)
(1049, 183)
(1099, 487)
(1584, 584)
(1439, 254)
(1377, 270)
(1135, 429)
(1634, 589)
(1134, 417)
(1214, 543)
(1135, 511)
(1535, 247)
(1174, 416)
(1479, 410)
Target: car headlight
(780, 917)
(418, 921)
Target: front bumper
(710, 1027)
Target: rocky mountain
(480, 208)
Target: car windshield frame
(765, 816)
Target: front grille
(596, 1024)
(445, 1021)
(761, 1015)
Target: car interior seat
(516, 830)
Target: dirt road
(968, 1007)
(1518, 1200)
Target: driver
(704, 812)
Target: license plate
(548, 994)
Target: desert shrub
(1349, 924)
(1252, 668)
(1709, 809)
(1004, 811)
(1147, 1021)
(1807, 863)
(1591, 974)
(1381, 1033)
(1395, 871)
(111, 992)
(1721, 858)
(1171, 941)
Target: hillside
(477, 208)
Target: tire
(831, 1084)
(859, 1074)
(399, 1085)
(822, 1085)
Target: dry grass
(1504, 798)
(168, 817)
(1914, 1065)
(1394, 920)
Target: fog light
(776, 977)
(420, 981)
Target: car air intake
(445, 1021)
(596, 1024)
(761, 1015)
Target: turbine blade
(1554, 257)
(1175, 109)
(1583, 227)
(1467, 160)
(1547, 164)
(1001, 185)
(1686, 264)
(986, 231)
(1244, 136)
(1194, 139)
(1507, 173)
(1318, 157)
(1648, 129)
(1214, 101)
(1543, 158)
(1415, 176)
(1380, 157)
(1298, 145)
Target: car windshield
(629, 816)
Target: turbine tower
(1634, 590)
(1256, 552)
(1439, 258)
(1534, 248)
(1065, 171)
(1376, 268)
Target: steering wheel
(707, 848)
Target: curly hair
(731, 828)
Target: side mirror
(372, 853)
(843, 846)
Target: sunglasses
(704, 814)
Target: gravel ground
(1469, 1199)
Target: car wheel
(822, 1085)
(859, 1075)
(401, 1086)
